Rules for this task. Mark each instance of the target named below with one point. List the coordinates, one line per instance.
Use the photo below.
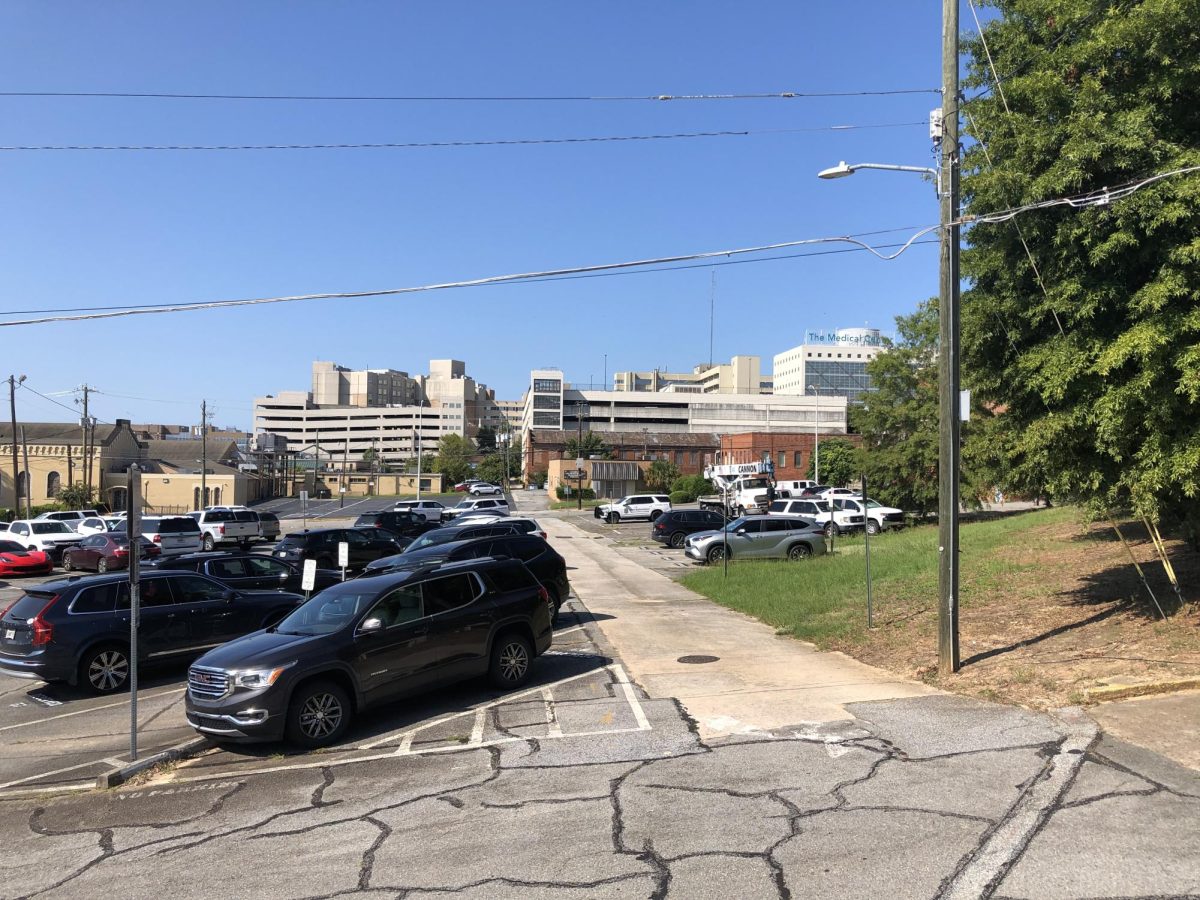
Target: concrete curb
(121, 775)
(1145, 689)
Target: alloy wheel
(514, 661)
(102, 565)
(321, 715)
(108, 670)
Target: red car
(16, 560)
(103, 552)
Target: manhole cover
(697, 659)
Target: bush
(565, 493)
(680, 497)
(691, 486)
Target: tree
(373, 461)
(514, 456)
(76, 496)
(660, 475)
(454, 457)
(485, 439)
(491, 468)
(840, 463)
(592, 445)
(1093, 354)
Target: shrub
(566, 493)
(680, 497)
(692, 486)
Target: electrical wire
(772, 95)
(423, 145)
(475, 282)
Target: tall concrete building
(349, 412)
(829, 365)
(741, 375)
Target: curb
(121, 775)
(1126, 691)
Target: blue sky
(89, 229)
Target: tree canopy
(661, 475)
(454, 457)
(592, 445)
(840, 463)
(1091, 348)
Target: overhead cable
(414, 145)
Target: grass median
(825, 599)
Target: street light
(944, 130)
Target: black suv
(448, 533)
(368, 641)
(539, 557)
(399, 522)
(673, 527)
(365, 545)
(247, 571)
(77, 629)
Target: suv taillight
(544, 596)
(157, 539)
(42, 630)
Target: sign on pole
(308, 578)
(343, 557)
(304, 496)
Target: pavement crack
(368, 858)
(178, 700)
(318, 794)
(540, 800)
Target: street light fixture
(944, 130)
(816, 436)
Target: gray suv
(758, 537)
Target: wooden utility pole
(12, 400)
(948, 362)
(28, 478)
(87, 452)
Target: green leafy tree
(660, 475)
(592, 445)
(1092, 354)
(840, 463)
(689, 487)
(454, 457)
(514, 457)
(76, 496)
(491, 468)
(485, 439)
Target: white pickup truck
(226, 525)
(879, 517)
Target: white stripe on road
(80, 712)
(635, 705)
(553, 729)
(477, 729)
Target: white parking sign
(308, 579)
(343, 554)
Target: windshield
(50, 528)
(873, 504)
(11, 547)
(329, 611)
(430, 539)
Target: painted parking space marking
(80, 712)
(44, 700)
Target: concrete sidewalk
(758, 681)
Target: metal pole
(12, 401)
(418, 433)
(87, 456)
(948, 414)
(28, 476)
(342, 481)
(816, 436)
(579, 453)
(133, 527)
(203, 453)
(867, 549)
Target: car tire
(831, 529)
(104, 669)
(555, 602)
(319, 714)
(102, 565)
(208, 544)
(716, 553)
(67, 565)
(677, 539)
(613, 518)
(654, 514)
(511, 661)
(872, 527)
(799, 551)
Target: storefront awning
(608, 470)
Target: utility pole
(816, 437)
(28, 478)
(579, 409)
(345, 466)
(417, 441)
(948, 405)
(203, 453)
(13, 381)
(87, 455)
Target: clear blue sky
(84, 229)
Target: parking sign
(309, 579)
(343, 554)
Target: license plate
(9, 634)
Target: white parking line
(477, 729)
(341, 510)
(627, 687)
(80, 712)
(553, 728)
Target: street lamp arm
(841, 170)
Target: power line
(476, 282)
(368, 98)
(420, 145)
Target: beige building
(830, 365)
(171, 480)
(741, 375)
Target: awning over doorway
(610, 470)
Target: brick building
(689, 452)
(789, 452)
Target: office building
(741, 375)
(830, 365)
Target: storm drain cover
(697, 659)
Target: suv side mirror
(740, 531)
(370, 626)
(229, 595)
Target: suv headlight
(258, 678)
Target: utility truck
(744, 487)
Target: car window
(261, 566)
(20, 528)
(662, 499)
(51, 528)
(778, 506)
(11, 547)
(777, 525)
(268, 517)
(753, 526)
(525, 549)
(179, 525)
(227, 568)
(156, 592)
(218, 515)
(451, 592)
(92, 523)
(511, 578)
(355, 537)
(244, 515)
(400, 606)
(98, 599)
(194, 589)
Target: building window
(695, 457)
(783, 459)
(53, 485)
(796, 459)
(547, 402)
(22, 485)
(195, 498)
(546, 386)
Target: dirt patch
(1047, 617)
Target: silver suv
(758, 537)
(635, 506)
